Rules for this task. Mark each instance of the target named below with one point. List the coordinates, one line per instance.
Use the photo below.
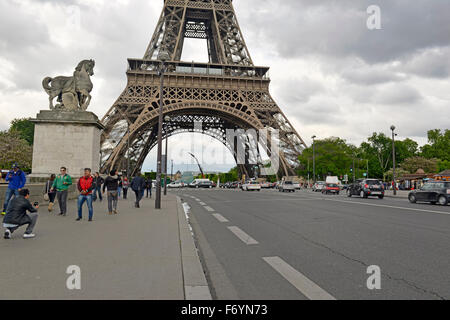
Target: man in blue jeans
(17, 180)
(85, 186)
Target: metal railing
(183, 68)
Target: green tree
(443, 165)
(25, 128)
(438, 145)
(413, 164)
(333, 157)
(14, 149)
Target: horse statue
(73, 93)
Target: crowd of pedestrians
(18, 210)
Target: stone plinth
(68, 139)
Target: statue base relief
(68, 139)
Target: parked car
(286, 186)
(432, 192)
(297, 186)
(266, 185)
(201, 183)
(366, 188)
(331, 188)
(318, 186)
(251, 186)
(176, 185)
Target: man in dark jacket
(16, 215)
(85, 186)
(138, 186)
(98, 181)
(148, 187)
(112, 185)
(16, 181)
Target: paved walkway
(133, 255)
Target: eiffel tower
(229, 92)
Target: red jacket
(86, 184)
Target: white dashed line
(209, 209)
(220, 218)
(202, 203)
(307, 287)
(243, 236)
(387, 206)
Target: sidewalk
(400, 194)
(136, 254)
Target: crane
(198, 163)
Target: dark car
(366, 188)
(432, 192)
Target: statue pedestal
(68, 139)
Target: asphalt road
(271, 245)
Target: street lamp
(393, 159)
(314, 158)
(163, 56)
(166, 119)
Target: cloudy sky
(330, 74)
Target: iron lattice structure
(229, 92)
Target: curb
(195, 284)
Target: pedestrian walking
(125, 185)
(119, 189)
(98, 181)
(85, 186)
(148, 187)
(138, 186)
(50, 193)
(16, 181)
(16, 215)
(61, 184)
(112, 186)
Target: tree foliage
(14, 149)
(25, 128)
(411, 165)
(333, 156)
(438, 145)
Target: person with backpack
(50, 193)
(138, 186)
(112, 186)
(16, 181)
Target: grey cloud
(338, 28)
(431, 63)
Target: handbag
(46, 197)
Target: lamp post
(314, 158)
(163, 56)
(166, 119)
(393, 159)
(128, 149)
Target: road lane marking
(307, 287)
(209, 209)
(202, 203)
(243, 236)
(220, 218)
(392, 207)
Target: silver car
(286, 186)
